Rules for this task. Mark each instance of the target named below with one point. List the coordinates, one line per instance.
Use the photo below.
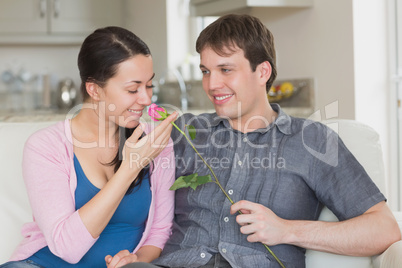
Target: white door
(398, 95)
(23, 17)
(83, 16)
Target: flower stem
(210, 169)
(220, 186)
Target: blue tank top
(124, 230)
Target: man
(260, 156)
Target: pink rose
(157, 113)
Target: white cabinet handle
(42, 8)
(56, 8)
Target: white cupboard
(55, 21)
(221, 7)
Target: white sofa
(362, 140)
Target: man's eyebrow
(225, 64)
(219, 65)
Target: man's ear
(265, 71)
(92, 90)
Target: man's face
(236, 91)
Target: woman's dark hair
(247, 33)
(98, 61)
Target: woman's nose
(144, 97)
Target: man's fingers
(247, 229)
(244, 206)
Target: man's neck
(252, 122)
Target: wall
(316, 42)
(58, 61)
(343, 46)
(372, 87)
(149, 23)
(165, 29)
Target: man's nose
(214, 81)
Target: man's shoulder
(305, 126)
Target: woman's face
(126, 94)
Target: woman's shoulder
(54, 133)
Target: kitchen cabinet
(55, 21)
(221, 7)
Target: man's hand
(120, 259)
(260, 223)
(366, 235)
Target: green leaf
(179, 183)
(192, 181)
(190, 178)
(204, 179)
(191, 131)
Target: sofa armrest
(392, 257)
(398, 217)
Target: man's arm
(368, 234)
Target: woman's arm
(97, 213)
(46, 168)
(163, 176)
(70, 233)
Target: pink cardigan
(49, 175)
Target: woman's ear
(92, 90)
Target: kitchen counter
(57, 115)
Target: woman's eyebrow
(152, 77)
(139, 82)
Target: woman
(97, 185)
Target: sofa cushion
(14, 202)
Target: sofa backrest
(15, 209)
(364, 143)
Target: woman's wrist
(148, 253)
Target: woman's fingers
(164, 129)
(142, 151)
(136, 134)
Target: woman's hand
(120, 259)
(144, 254)
(138, 153)
(98, 211)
